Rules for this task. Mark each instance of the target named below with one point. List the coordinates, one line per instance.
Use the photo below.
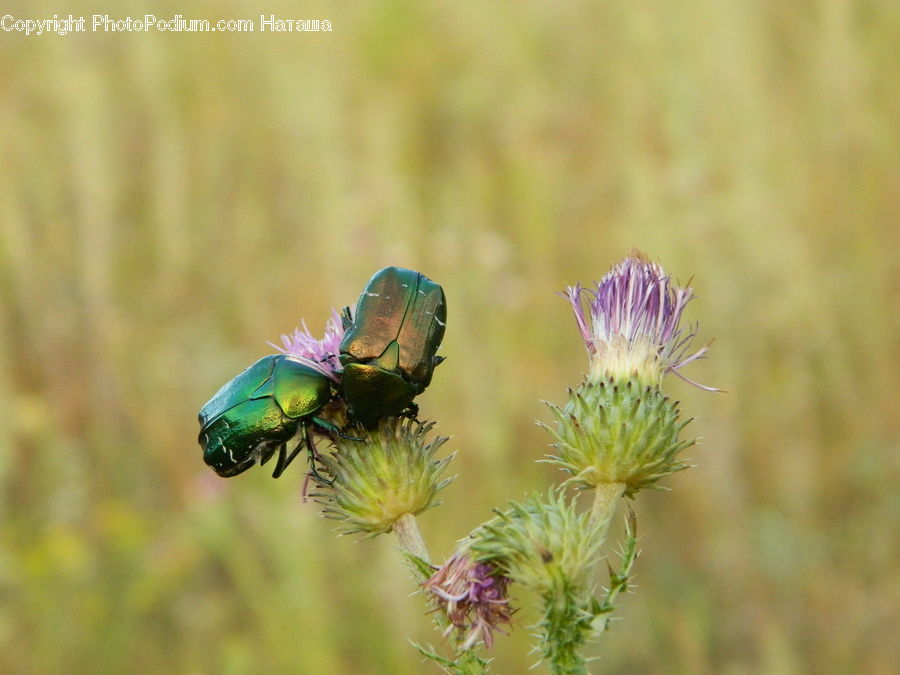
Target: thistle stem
(410, 538)
(567, 623)
(606, 499)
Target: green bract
(388, 350)
(378, 479)
(617, 432)
(260, 411)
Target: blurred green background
(170, 202)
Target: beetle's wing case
(380, 312)
(231, 442)
(299, 389)
(243, 387)
(422, 332)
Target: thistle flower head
(474, 597)
(611, 432)
(630, 322)
(323, 355)
(542, 543)
(382, 475)
(618, 426)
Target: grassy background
(170, 202)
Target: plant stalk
(410, 538)
(606, 499)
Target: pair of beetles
(387, 354)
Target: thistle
(382, 476)
(539, 543)
(322, 354)
(619, 432)
(631, 330)
(615, 433)
(473, 595)
(547, 546)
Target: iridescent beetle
(388, 357)
(260, 411)
(388, 350)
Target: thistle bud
(382, 475)
(547, 546)
(612, 432)
(543, 544)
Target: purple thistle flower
(320, 354)
(474, 597)
(631, 326)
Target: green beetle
(261, 411)
(388, 350)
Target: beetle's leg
(265, 454)
(348, 438)
(304, 491)
(307, 437)
(329, 428)
(284, 460)
(346, 318)
(412, 412)
(279, 465)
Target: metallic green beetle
(261, 411)
(388, 350)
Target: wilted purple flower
(473, 595)
(320, 354)
(631, 327)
